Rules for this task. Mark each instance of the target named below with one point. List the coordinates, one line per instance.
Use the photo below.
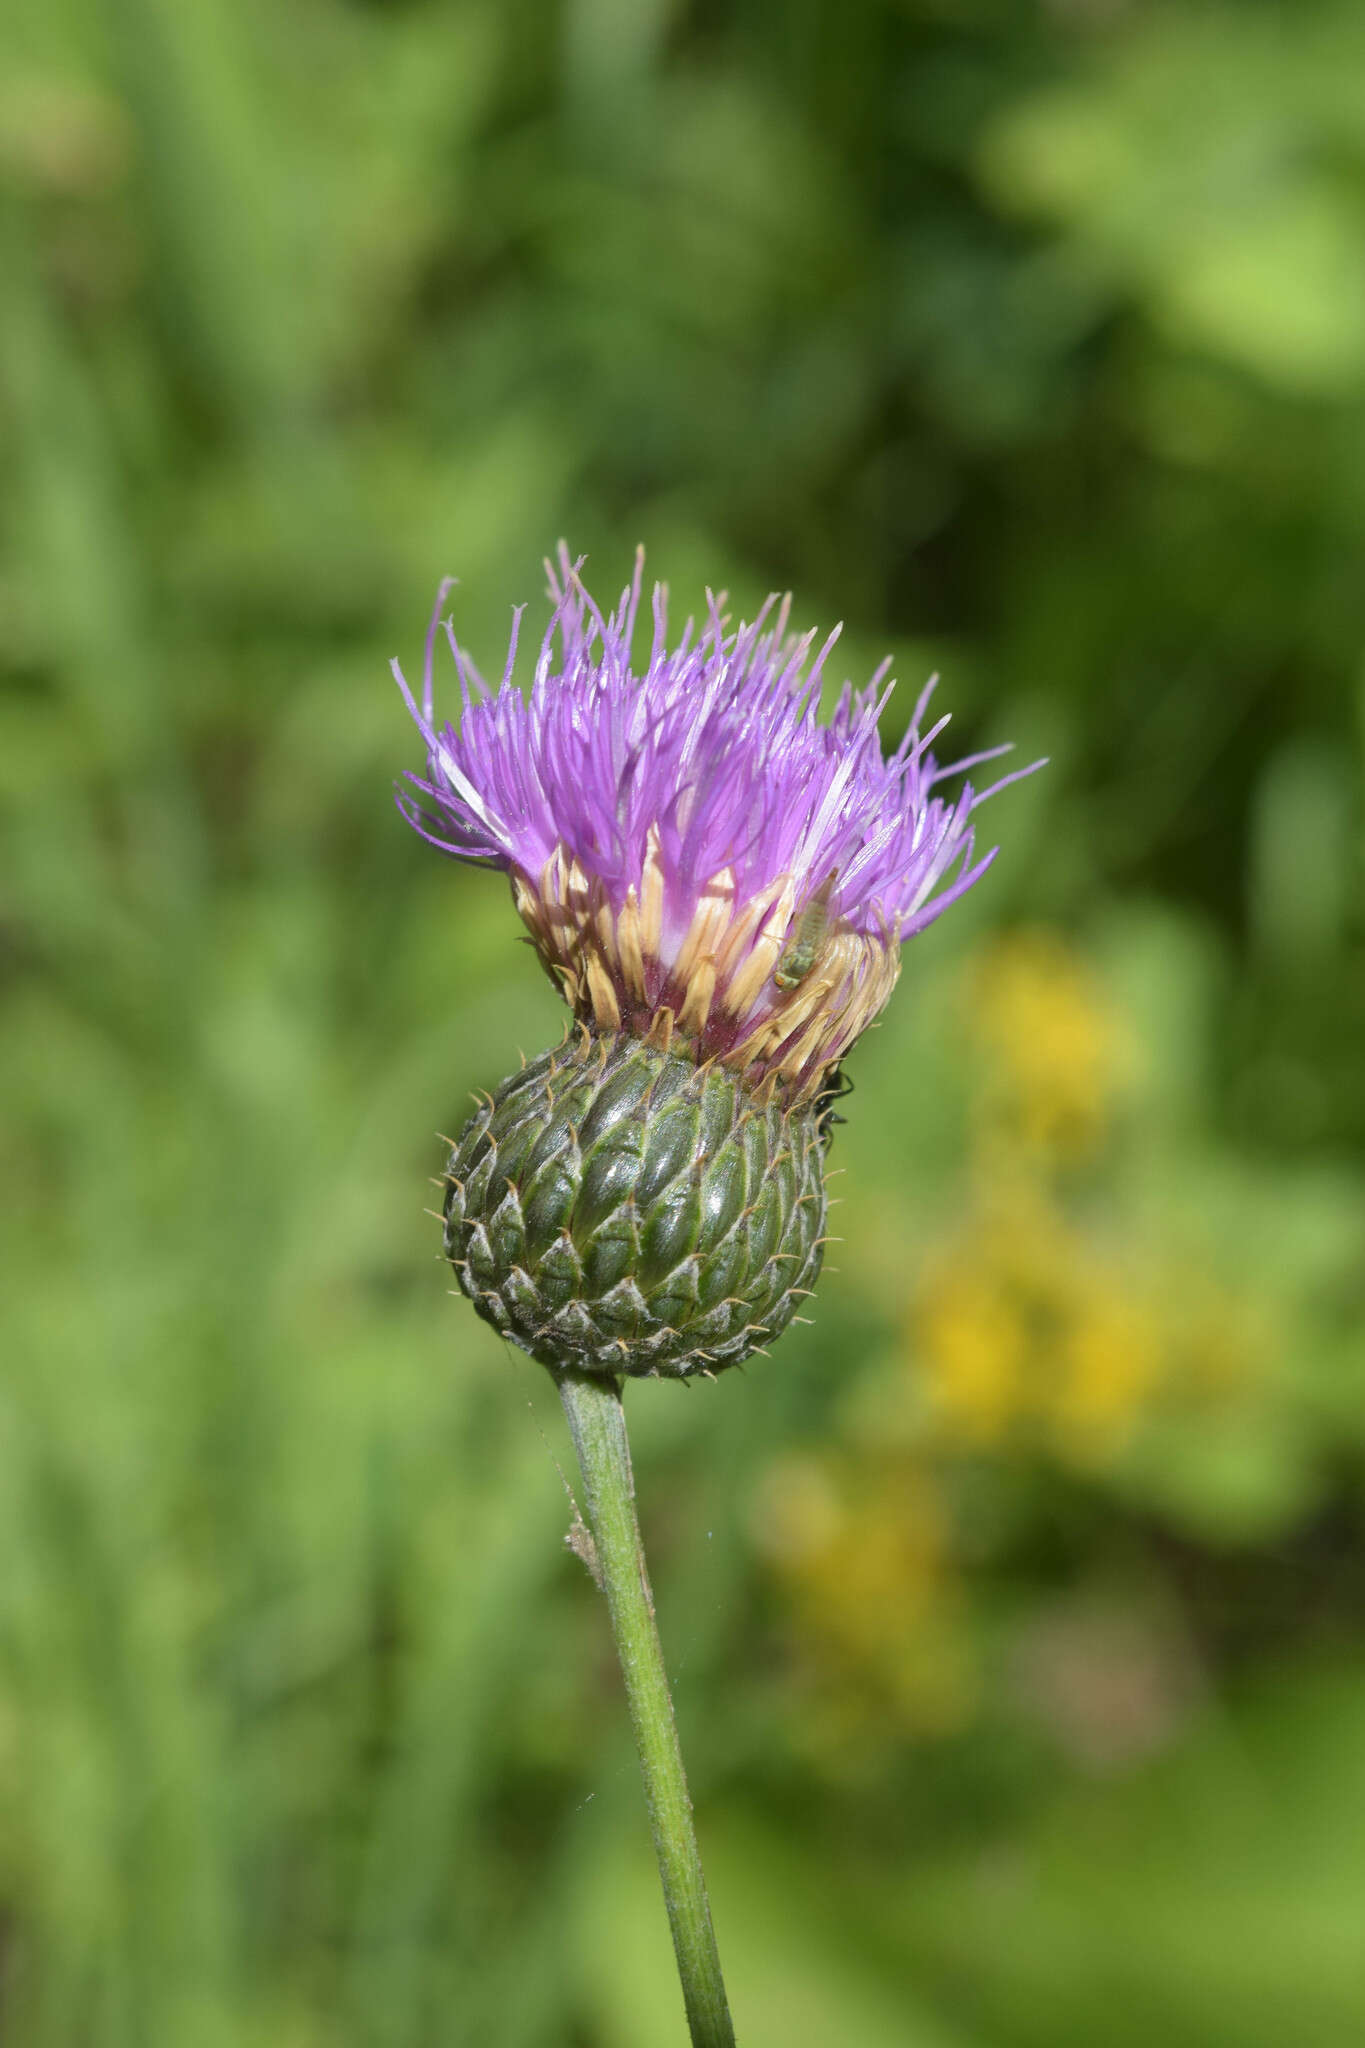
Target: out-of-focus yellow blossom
(975, 1349)
(1112, 1357)
(860, 1552)
(1050, 1046)
(1022, 1320)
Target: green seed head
(617, 1208)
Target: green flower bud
(618, 1208)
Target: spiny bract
(619, 1209)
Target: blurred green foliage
(1015, 1607)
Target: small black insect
(837, 1087)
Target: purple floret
(714, 753)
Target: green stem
(598, 1424)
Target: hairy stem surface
(598, 1424)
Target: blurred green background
(1016, 1606)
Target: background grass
(1015, 1607)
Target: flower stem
(598, 1424)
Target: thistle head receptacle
(619, 1209)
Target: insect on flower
(806, 936)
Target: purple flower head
(691, 849)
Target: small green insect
(805, 937)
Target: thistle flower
(691, 850)
(720, 884)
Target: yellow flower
(1051, 1042)
(1111, 1357)
(1023, 1321)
